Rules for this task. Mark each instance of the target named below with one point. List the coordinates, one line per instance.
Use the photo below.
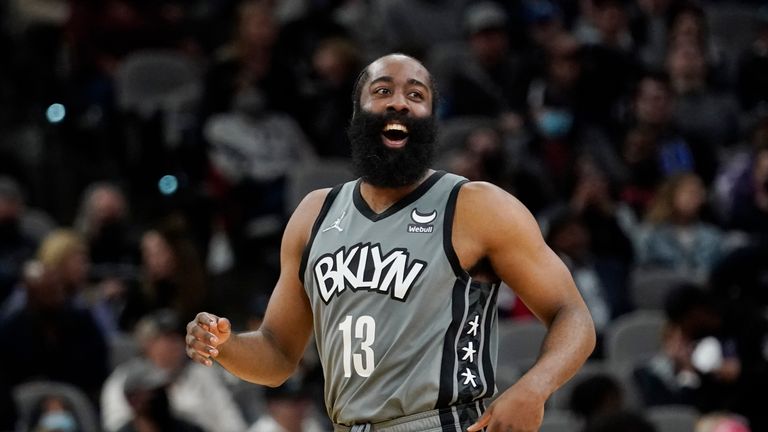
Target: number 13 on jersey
(364, 328)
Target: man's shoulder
(485, 194)
(488, 208)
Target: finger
(201, 347)
(206, 319)
(481, 422)
(195, 356)
(223, 325)
(201, 334)
(198, 333)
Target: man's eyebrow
(389, 79)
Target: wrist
(535, 388)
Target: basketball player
(397, 274)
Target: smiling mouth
(394, 135)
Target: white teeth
(395, 126)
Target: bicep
(513, 243)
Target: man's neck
(379, 199)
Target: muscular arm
(491, 223)
(270, 354)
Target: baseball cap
(484, 16)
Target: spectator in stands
(52, 338)
(568, 236)
(749, 209)
(674, 236)
(687, 26)
(335, 64)
(608, 62)
(555, 111)
(195, 393)
(652, 148)
(649, 31)
(289, 408)
(103, 220)
(250, 60)
(596, 397)
(15, 246)
(605, 23)
(481, 157)
(707, 119)
(610, 224)
(53, 414)
(145, 390)
(252, 151)
(33, 222)
(492, 80)
(697, 365)
(172, 274)
(642, 169)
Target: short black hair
(364, 75)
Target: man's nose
(398, 103)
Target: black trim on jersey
(447, 422)
(488, 371)
(448, 362)
(407, 200)
(460, 417)
(316, 227)
(450, 253)
(468, 416)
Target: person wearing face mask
(698, 364)
(53, 414)
(554, 99)
(397, 273)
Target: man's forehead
(399, 68)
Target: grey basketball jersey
(400, 327)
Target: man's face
(653, 103)
(393, 132)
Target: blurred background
(152, 150)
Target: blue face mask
(554, 123)
(58, 421)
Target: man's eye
(416, 95)
(382, 91)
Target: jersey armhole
(450, 253)
(316, 227)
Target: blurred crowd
(148, 149)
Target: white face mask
(59, 421)
(708, 355)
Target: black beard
(382, 166)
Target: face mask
(555, 123)
(58, 421)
